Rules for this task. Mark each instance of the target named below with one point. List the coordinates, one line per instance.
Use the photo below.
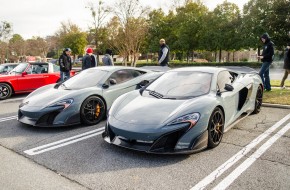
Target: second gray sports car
(85, 98)
(185, 110)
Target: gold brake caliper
(98, 110)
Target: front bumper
(46, 117)
(165, 142)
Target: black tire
(92, 110)
(5, 91)
(216, 128)
(259, 100)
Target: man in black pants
(267, 59)
(65, 64)
(163, 55)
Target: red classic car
(27, 77)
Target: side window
(42, 69)
(121, 76)
(224, 77)
(6, 69)
(137, 73)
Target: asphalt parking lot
(254, 154)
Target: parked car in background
(7, 67)
(27, 77)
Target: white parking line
(64, 142)
(249, 161)
(224, 167)
(8, 118)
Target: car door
(122, 79)
(229, 99)
(31, 79)
(51, 73)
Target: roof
(115, 68)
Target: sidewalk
(18, 172)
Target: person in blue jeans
(65, 64)
(267, 59)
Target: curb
(281, 106)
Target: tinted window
(137, 73)
(224, 77)
(181, 84)
(121, 76)
(85, 79)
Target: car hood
(137, 109)
(48, 95)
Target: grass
(277, 96)
(277, 83)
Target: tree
(72, 37)
(189, 22)
(76, 41)
(131, 29)
(5, 30)
(99, 13)
(227, 31)
(272, 16)
(37, 46)
(17, 45)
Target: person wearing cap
(163, 55)
(87, 59)
(267, 59)
(65, 64)
(286, 65)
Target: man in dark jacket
(87, 59)
(267, 59)
(65, 64)
(107, 59)
(163, 55)
(286, 65)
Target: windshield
(85, 79)
(2, 67)
(180, 84)
(20, 68)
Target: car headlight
(65, 103)
(191, 118)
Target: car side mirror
(23, 74)
(113, 81)
(229, 87)
(142, 84)
(105, 86)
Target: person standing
(163, 55)
(107, 59)
(87, 59)
(267, 59)
(94, 61)
(65, 64)
(286, 65)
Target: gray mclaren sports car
(185, 110)
(84, 98)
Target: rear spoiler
(242, 70)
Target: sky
(43, 17)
